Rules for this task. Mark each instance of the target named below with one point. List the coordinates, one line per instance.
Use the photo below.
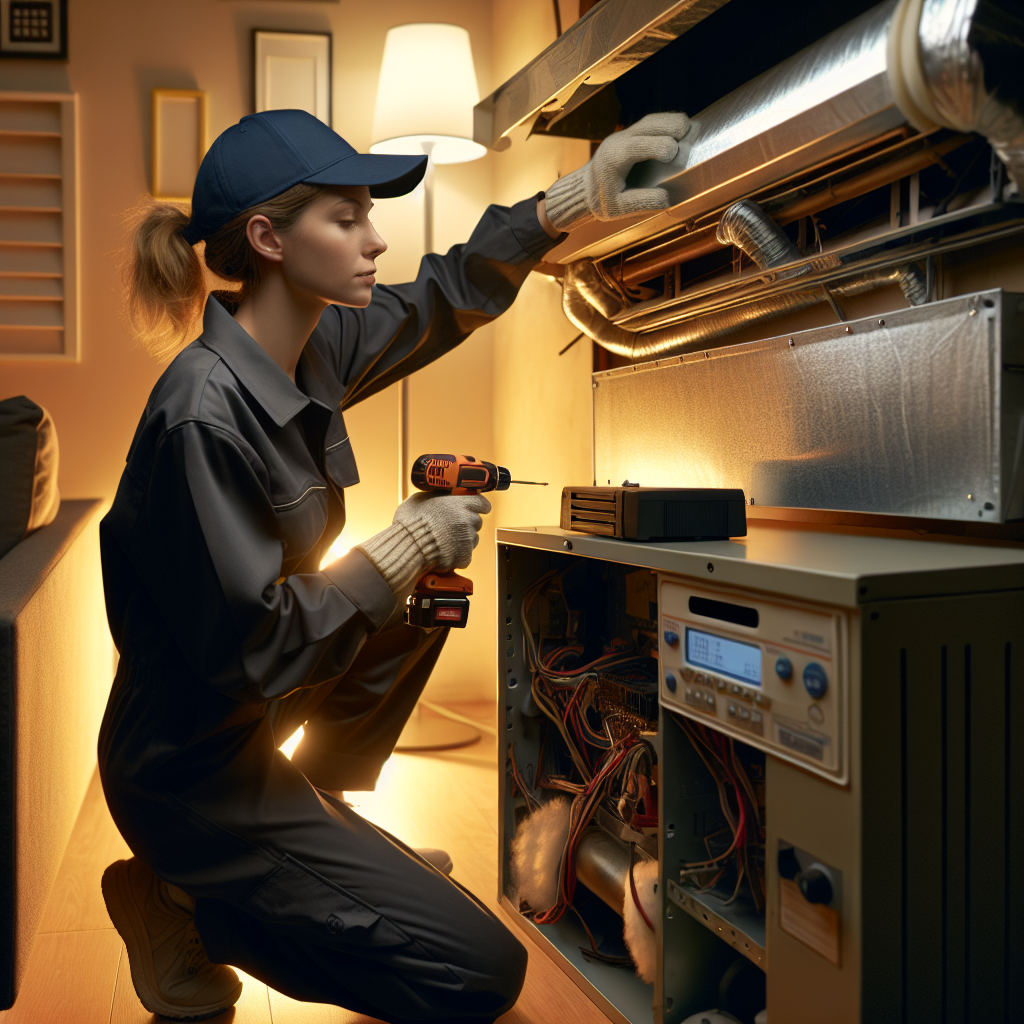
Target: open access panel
(805, 742)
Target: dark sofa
(56, 665)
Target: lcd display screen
(726, 657)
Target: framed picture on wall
(34, 29)
(293, 71)
(178, 142)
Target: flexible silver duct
(958, 64)
(582, 287)
(748, 227)
(952, 63)
(591, 298)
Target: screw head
(594, 385)
(567, 544)
(711, 566)
(970, 497)
(973, 312)
(849, 330)
(881, 323)
(791, 343)
(707, 355)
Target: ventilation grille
(943, 855)
(593, 512)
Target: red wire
(741, 826)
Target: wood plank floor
(78, 971)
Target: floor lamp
(425, 101)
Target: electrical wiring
(611, 762)
(740, 810)
(532, 803)
(581, 812)
(563, 694)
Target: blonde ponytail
(164, 289)
(165, 286)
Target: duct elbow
(913, 284)
(750, 229)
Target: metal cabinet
(879, 682)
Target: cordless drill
(442, 598)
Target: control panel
(770, 673)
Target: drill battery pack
(655, 513)
(440, 599)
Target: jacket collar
(319, 381)
(260, 375)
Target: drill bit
(532, 483)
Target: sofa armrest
(56, 662)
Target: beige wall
(469, 401)
(119, 50)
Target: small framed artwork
(34, 29)
(293, 72)
(178, 142)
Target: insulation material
(590, 302)
(537, 852)
(960, 61)
(640, 938)
(908, 414)
(948, 63)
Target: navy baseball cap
(266, 154)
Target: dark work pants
(295, 888)
(351, 727)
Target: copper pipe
(700, 243)
(661, 257)
(868, 181)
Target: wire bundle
(582, 811)
(741, 810)
(567, 693)
(613, 769)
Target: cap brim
(387, 176)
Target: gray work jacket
(233, 487)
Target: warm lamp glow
(288, 747)
(426, 94)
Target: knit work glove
(429, 531)
(598, 189)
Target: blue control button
(670, 682)
(672, 639)
(784, 668)
(815, 680)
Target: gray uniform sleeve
(407, 326)
(207, 548)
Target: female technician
(229, 633)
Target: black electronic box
(655, 513)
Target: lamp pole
(433, 117)
(404, 460)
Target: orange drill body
(442, 598)
(458, 474)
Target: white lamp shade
(426, 94)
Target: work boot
(438, 859)
(171, 972)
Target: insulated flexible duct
(950, 63)
(590, 298)
(957, 63)
(695, 334)
(748, 227)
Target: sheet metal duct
(851, 87)
(604, 44)
(919, 412)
